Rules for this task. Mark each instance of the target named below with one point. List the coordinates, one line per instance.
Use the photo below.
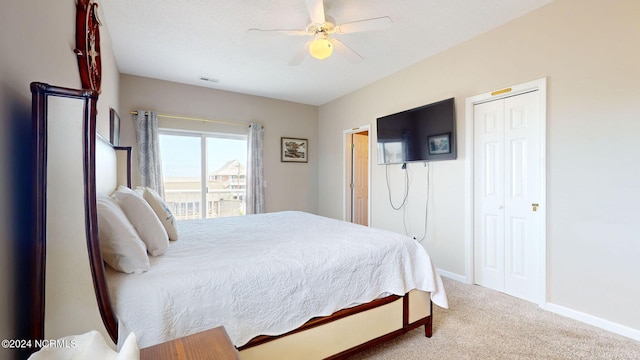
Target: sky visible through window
(180, 154)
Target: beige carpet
(484, 324)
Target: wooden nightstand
(212, 344)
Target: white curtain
(146, 126)
(255, 190)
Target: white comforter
(266, 275)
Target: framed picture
(114, 127)
(293, 150)
(439, 144)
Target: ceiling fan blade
(300, 55)
(342, 49)
(282, 31)
(364, 25)
(316, 11)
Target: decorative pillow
(121, 246)
(144, 219)
(162, 210)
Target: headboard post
(39, 124)
(123, 154)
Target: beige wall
(37, 45)
(37, 42)
(290, 186)
(590, 52)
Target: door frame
(355, 130)
(535, 85)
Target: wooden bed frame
(333, 337)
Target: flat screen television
(425, 133)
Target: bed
(334, 322)
(266, 275)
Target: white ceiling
(184, 40)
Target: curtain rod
(195, 119)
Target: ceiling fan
(322, 28)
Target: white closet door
(489, 194)
(506, 187)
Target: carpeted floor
(485, 324)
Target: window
(204, 174)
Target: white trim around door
(345, 133)
(536, 85)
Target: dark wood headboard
(40, 120)
(84, 116)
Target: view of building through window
(207, 169)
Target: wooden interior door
(361, 178)
(356, 184)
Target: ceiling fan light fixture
(321, 48)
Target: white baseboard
(452, 276)
(593, 320)
(567, 312)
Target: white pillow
(144, 219)
(90, 345)
(120, 244)
(162, 210)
